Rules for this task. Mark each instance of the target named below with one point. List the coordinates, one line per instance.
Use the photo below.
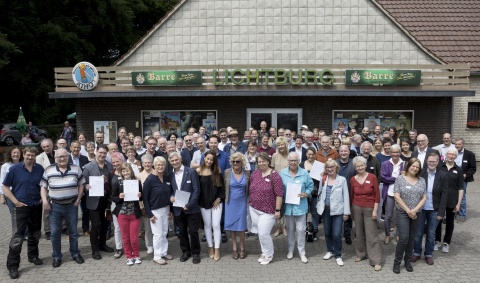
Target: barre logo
(85, 76)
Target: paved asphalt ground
(461, 264)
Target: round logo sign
(85, 76)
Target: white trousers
(148, 232)
(117, 233)
(252, 227)
(297, 223)
(264, 222)
(160, 230)
(211, 220)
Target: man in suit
(80, 160)
(187, 217)
(433, 210)
(299, 149)
(188, 151)
(423, 150)
(465, 159)
(98, 204)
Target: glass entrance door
(287, 118)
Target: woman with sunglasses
(236, 187)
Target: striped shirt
(62, 187)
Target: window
(287, 118)
(473, 111)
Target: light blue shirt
(429, 203)
(459, 158)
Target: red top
(269, 150)
(365, 195)
(262, 196)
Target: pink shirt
(262, 196)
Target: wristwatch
(277, 210)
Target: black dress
(209, 192)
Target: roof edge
(149, 33)
(400, 26)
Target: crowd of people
(269, 181)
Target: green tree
(37, 36)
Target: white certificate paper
(130, 189)
(292, 193)
(96, 186)
(317, 170)
(181, 198)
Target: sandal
(210, 252)
(243, 254)
(234, 254)
(387, 240)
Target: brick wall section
(471, 136)
(432, 116)
(223, 32)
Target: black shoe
(14, 273)
(78, 259)
(35, 261)
(106, 248)
(396, 268)
(47, 236)
(96, 255)
(185, 257)
(56, 262)
(348, 240)
(224, 238)
(408, 266)
(204, 238)
(196, 259)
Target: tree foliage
(36, 36)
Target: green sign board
(382, 77)
(167, 78)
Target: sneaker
(130, 261)
(303, 258)
(138, 260)
(445, 248)
(261, 258)
(118, 254)
(339, 261)
(289, 255)
(437, 246)
(149, 250)
(328, 255)
(266, 261)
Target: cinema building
(291, 63)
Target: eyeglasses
(288, 134)
(151, 143)
(188, 140)
(335, 133)
(236, 161)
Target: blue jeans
(463, 205)
(57, 213)
(427, 218)
(333, 225)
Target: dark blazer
(83, 160)
(91, 169)
(469, 165)
(191, 184)
(304, 153)
(117, 188)
(429, 150)
(439, 192)
(186, 160)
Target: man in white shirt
(447, 144)
(223, 138)
(197, 155)
(423, 150)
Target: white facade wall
(216, 32)
(460, 130)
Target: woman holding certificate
(236, 187)
(212, 195)
(156, 199)
(126, 196)
(334, 206)
(297, 186)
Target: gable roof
(447, 29)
